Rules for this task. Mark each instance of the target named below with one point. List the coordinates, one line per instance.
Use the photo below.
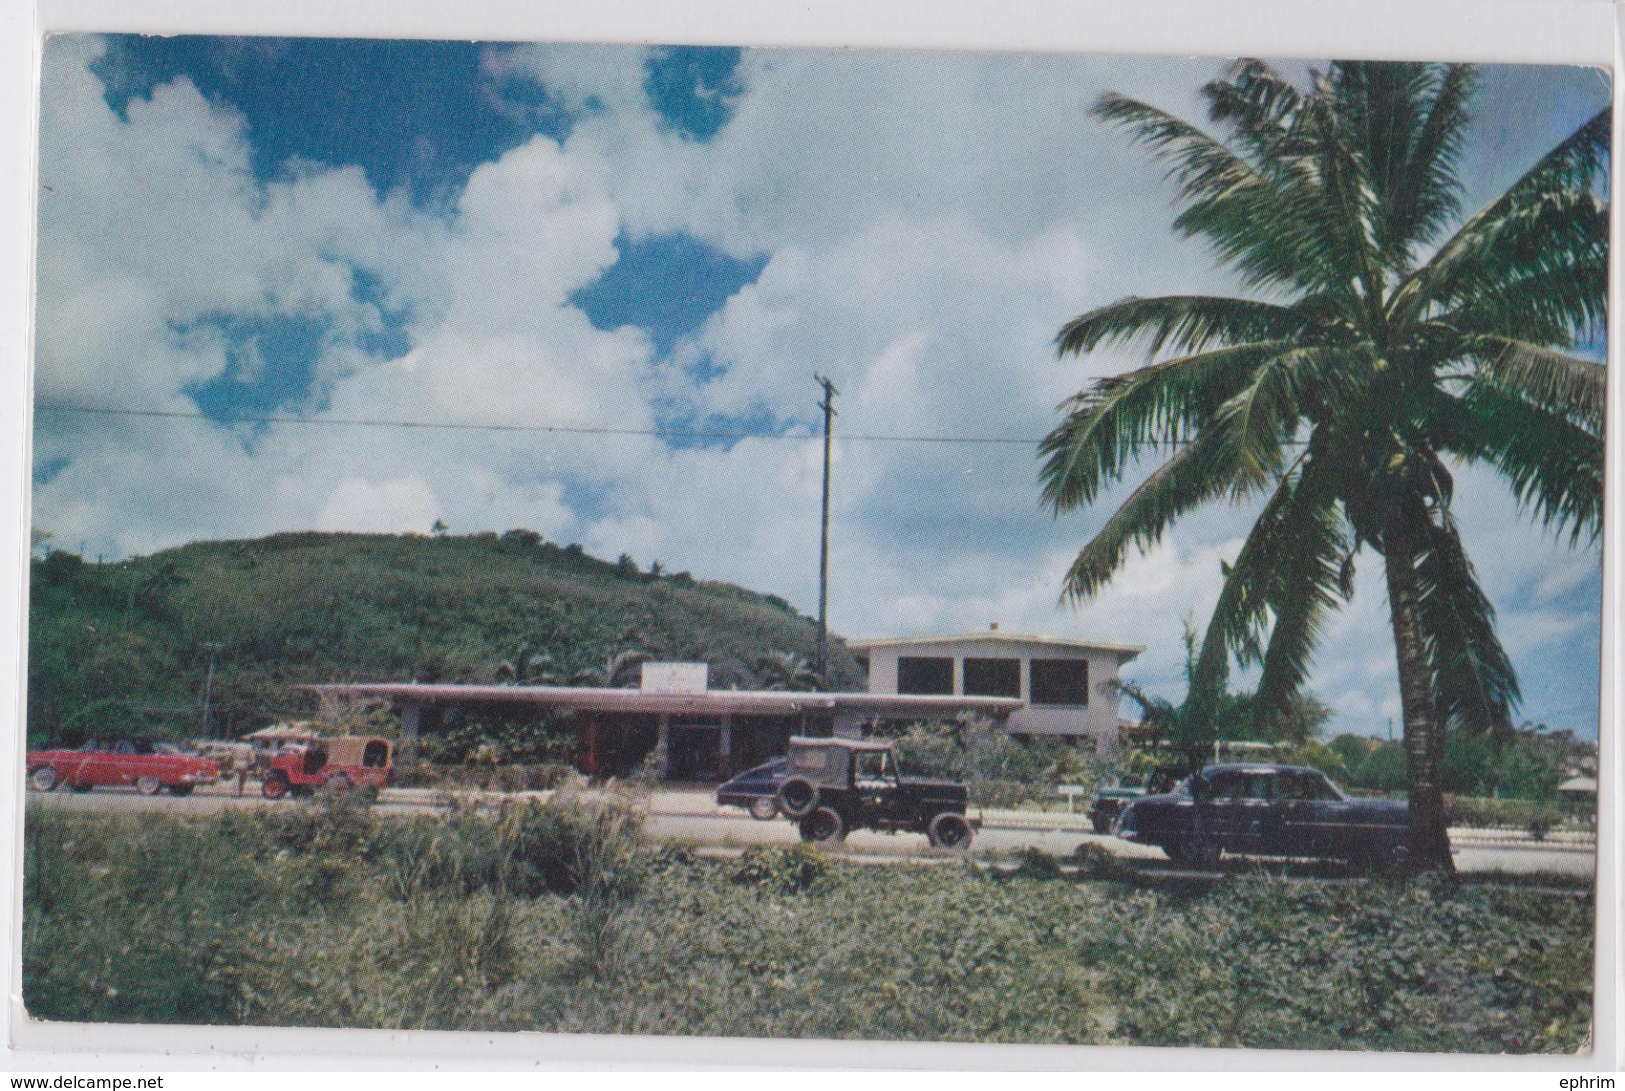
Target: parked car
(834, 786)
(146, 765)
(1268, 810)
(337, 763)
(756, 790)
(1109, 802)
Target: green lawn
(559, 918)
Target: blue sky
(626, 243)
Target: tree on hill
(1388, 341)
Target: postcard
(791, 543)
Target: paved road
(678, 816)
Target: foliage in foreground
(557, 917)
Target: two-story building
(1067, 686)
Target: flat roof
(1000, 636)
(596, 699)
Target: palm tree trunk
(1424, 740)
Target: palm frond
(1475, 687)
(1406, 122)
(1551, 217)
(1569, 386)
(1307, 588)
(1187, 324)
(1242, 608)
(1106, 426)
(1191, 477)
(1252, 222)
(1555, 467)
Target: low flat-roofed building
(1067, 686)
(693, 732)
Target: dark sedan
(756, 790)
(1268, 810)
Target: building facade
(1067, 687)
(673, 719)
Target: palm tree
(525, 666)
(786, 671)
(617, 672)
(1389, 340)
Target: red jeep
(351, 760)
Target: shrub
(791, 870)
(1035, 863)
(1095, 862)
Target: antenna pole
(828, 406)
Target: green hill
(125, 646)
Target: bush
(1035, 863)
(1514, 814)
(1095, 862)
(791, 870)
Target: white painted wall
(1097, 720)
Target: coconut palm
(528, 666)
(1386, 341)
(619, 671)
(786, 671)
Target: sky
(631, 263)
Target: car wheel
(798, 797)
(764, 809)
(950, 831)
(180, 789)
(148, 784)
(1392, 859)
(1101, 822)
(42, 779)
(1205, 854)
(274, 786)
(823, 827)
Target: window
(993, 678)
(1060, 681)
(925, 675)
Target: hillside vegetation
(126, 646)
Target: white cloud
(929, 221)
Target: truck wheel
(823, 827)
(338, 782)
(798, 797)
(42, 779)
(275, 786)
(764, 809)
(949, 831)
(148, 785)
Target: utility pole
(828, 406)
(208, 684)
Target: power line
(660, 433)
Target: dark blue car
(1268, 810)
(756, 790)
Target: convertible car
(147, 765)
(1268, 810)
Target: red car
(146, 764)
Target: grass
(559, 917)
